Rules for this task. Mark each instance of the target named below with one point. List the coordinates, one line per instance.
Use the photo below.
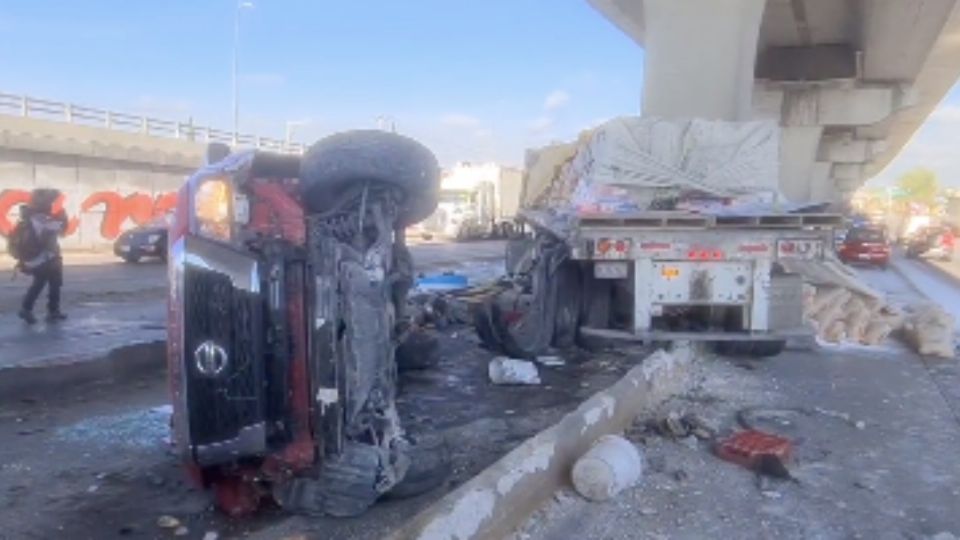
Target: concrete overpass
(115, 170)
(850, 81)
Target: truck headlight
(211, 206)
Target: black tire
(337, 168)
(595, 308)
(751, 349)
(567, 319)
(430, 466)
(347, 483)
(420, 350)
(131, 259)
(768, 349)
(345, 486)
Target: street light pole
(236, 66)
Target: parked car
(867, 245)
(148, 240)
(934, 242)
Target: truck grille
(225, 404)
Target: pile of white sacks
(842, 309)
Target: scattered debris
(680, 475)
(611, 465)
(679, 427)
(211, 535)
(691, 442)
(550, 361)
(771, 494)
(418, 350)
(168, 522)
(840, 307)
(758, 451)
(929, 330)
(447, 281)
(181, 531)
(503, 370)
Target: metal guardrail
(45, 109)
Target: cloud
(263, 79)
(460, 120)
(556, 100)
(540, 124)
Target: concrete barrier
(495, 502)
(122, 364)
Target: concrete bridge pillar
(700, 57)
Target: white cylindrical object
(610, 466)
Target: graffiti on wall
(114, 209)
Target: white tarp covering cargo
(631, 164)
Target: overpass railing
(46, 109)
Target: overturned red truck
(288, 277)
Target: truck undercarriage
(283, 329)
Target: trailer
(657, 276)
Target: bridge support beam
(700, 57)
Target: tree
(919, 186)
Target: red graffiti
(140, 208)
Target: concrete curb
(121, 364)
(498, 500)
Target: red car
(866, 245)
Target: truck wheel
(418, 351)
(430, 466)
(595, 307)
(335, 169)
(752, 349)
(567, 319)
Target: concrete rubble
(503, 370)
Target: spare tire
(337, 168)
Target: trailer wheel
(567, 319)
(752, 349)
(336, 168)
(595, 306)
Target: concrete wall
(103, 197)
(111, 181)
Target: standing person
(39, 253)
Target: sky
(474, 80)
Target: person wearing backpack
(36, 247)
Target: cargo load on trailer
(648, 229)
